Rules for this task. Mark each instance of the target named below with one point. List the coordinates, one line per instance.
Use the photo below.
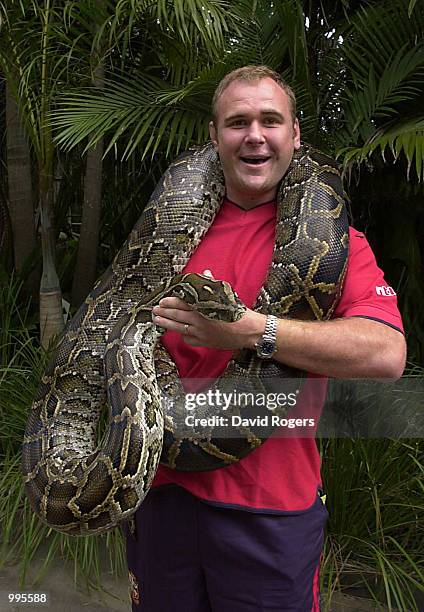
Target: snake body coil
(109, 353)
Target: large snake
(109, 353)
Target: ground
(64, 596)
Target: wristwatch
(266, 346)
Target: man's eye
(271, 120)
(238, 123)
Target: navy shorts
(191, 556)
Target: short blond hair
(250, 74)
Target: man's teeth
(255, 160)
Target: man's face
(255, 137)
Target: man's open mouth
(257, 161)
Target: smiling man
(255, 133)
(249, 536)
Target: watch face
(266, 349)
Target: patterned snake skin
(109, 353)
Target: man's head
(249, 74)
(255, 132)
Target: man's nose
(255, 132)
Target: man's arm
(342, 348)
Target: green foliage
(411, 7)
(357, 91)
(383, 56)
(376, 527)
(34, 68)
(160, 94)
(141, 105)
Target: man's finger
(173, 302)
(174, 314)
(168, 324)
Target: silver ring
(186, 326)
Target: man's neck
(247, 203)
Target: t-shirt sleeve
(365, 292)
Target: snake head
(214, 299)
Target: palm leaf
(187, 20)
(148, 110)
(383, 56)
(411, 6)
(405, 138)
(373, 35)
(401, 81)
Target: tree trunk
(51, 318)
(21, 209)
(4, 230)
(85, 268)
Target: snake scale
(110, 354)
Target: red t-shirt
(283, 474)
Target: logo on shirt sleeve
(385, 291)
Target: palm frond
(188, 20)
(401, 81)
(411, 6)
(290, 15)
(383, 58)
(374, 33)
(148, 110)
(405, 138)
(35, 55)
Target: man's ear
(213, 134)
(296, 134)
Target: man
(249, 536)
